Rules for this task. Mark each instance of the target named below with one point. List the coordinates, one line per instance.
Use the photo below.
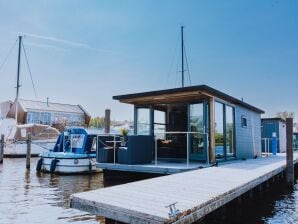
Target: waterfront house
(192, 125)
(53, 114)
(273, 127)
(4, 108)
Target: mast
(182, 57)
(18, 78)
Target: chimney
(48, 101)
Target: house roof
(273, 119)
(185, 93)
(54, 107)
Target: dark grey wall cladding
(248, 139)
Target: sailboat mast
(18, 78)
(182, 57)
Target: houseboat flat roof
(273, 119)
(181, 95)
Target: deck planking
(197, 192)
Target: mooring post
(290, 159)
(1, 148)
(28, 155)
(107, 120)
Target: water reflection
(279, 204)
(30, 197)
(27, 196)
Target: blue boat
(74, 152)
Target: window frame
(244, 124)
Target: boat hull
(68, 163)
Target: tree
(97, 122)
(285, 114)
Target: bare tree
(285, 114)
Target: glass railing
(181, 146)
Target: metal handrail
(114, 145)
(187, 143)
(267, 145)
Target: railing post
(97, 153)
(28, 155)
(207, 148)
(187, 149)
(114, 149)
(266, 149)
(155, 150)
(1, 148)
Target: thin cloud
(66, 42)
(47, 46)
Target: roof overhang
(180, 95)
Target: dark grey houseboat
(273, 127)
(185, 128)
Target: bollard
(1, 148)
(28, 155)
(107, 120)
(274, 143)
(290, 159)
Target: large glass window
(50, 118)
(219, 130)
(196, 120)
(159, 121)
(230, 131)
(143, 121)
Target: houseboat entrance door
(197, 126)
(184, 128)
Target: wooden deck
(197, 192)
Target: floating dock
(196, 193)
(158, 168)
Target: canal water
(28, 197)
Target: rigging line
(7, 56)
(172, 61)
(186, 60)
(29, 70)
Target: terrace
(174, 131)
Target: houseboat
(74, 152)
(186, 128)
(273, 135)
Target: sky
(84, 52)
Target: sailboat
(15, 133)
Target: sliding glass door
(197, 125)
(230, 136)
(224, 131)
(219, 130)
(143, 121)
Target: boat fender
(90, 166)
(53, 165)
(39, 164)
